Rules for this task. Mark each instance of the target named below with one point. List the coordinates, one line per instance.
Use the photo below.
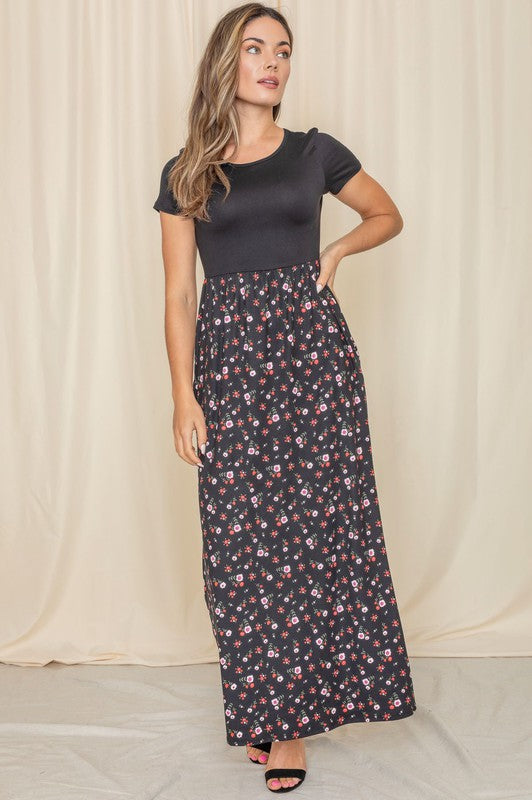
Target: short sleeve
(166, 201)
(339, 163)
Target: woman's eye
(254, 47)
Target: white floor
(157, 733)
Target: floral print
(296, 575)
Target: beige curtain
(100, 534)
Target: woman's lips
(269, 85)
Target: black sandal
(266, 746)
(285, 772)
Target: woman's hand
(329, 261)
(189, 417)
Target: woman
(296, 576)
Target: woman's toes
(278, 783)
(257, 755)
(286, 755)
(252, 752)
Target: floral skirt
(296, 575)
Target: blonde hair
(212, 118)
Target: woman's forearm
(180, 332)
(371, 232)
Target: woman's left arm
(381, 221)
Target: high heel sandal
(266, 746)
(285, 772)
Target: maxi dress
(296, 575)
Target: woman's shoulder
(328, 145)
(321, 137)
(324, 141)
(304, 135)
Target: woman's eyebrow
(261, 41)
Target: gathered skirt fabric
(296, 575)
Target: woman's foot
(257, 755)
(289, 754)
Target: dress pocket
(327, 288)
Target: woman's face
(264, 52)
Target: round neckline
(259, 160)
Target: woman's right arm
(179, 258)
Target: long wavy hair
(212, 117)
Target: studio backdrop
(99, 533)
